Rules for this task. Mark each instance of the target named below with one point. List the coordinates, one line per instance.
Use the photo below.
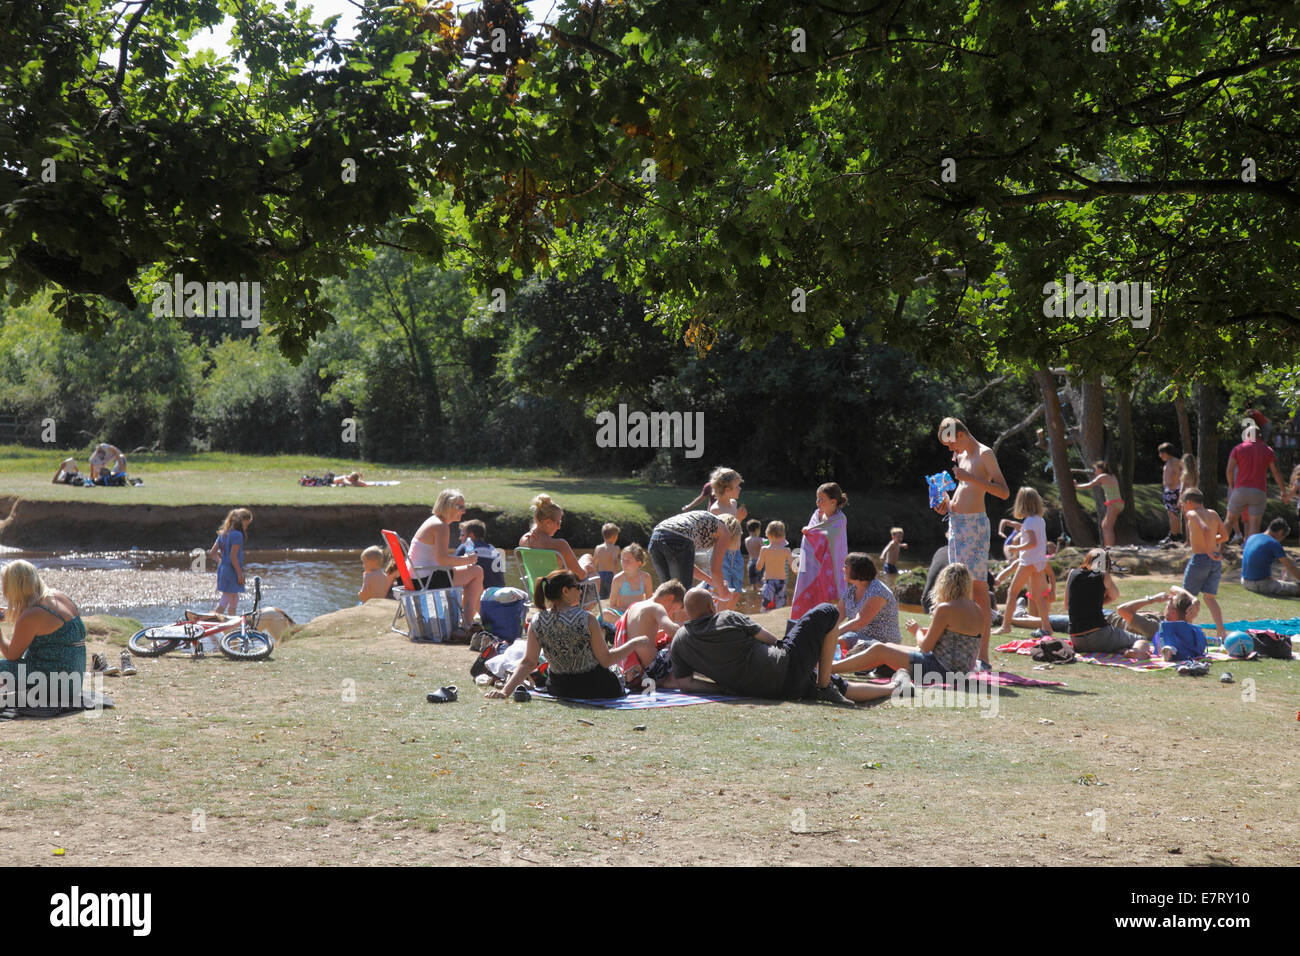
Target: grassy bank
(500, 496)
(330, 754)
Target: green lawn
(252, 480)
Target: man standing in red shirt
(1249, 465)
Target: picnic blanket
(660, 698)
(1026, 646)
(1151, 664)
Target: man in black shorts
(741, 657)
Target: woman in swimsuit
(622, 592)
(1114, 501)
(948, 647)
(48, 638)
(547, 516)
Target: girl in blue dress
(230, 547)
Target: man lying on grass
(740, 657)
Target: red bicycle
(237, 636)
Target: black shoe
(521, 695)
(478, 667)
(444, 695)
(830, 694)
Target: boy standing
(606, 556)
(774, 562)
(977, 474)
(889, 556)
(1205, 532)
(1172, 479)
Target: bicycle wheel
(156, 641)
(248, 646)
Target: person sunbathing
(352, 480)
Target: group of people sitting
(107, 468)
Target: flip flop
(444, 695)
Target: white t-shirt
(1035, 557)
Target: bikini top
(625, 591)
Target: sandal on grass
(443, 695)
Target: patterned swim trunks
(1170, 496)
(773, 594)
(968, 543)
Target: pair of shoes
(481, 640)
(124, 669)
(830, 694)
(1194, 668)
(443, 695)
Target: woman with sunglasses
(578, 659)
(431, 552)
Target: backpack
(1271, 644)
(502, 611)
(1053, 650)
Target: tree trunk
(1089, 403)
(1077, 525)
(1184, 426)
(1126, 528)
(1210, 404)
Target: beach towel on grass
(1289, 627)
(660, 698)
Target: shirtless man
(661, 612)
(1205, 532)
(977, 474)
(1172, 479)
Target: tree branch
(124, 53)
(1019, 427)
(997, 381)
(1193, 187)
